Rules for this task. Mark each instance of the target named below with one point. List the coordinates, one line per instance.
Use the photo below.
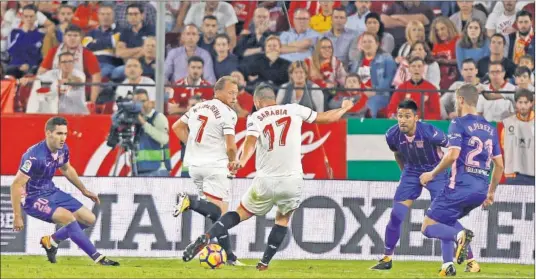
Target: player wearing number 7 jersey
(274, 131)
(473, 144)
(208, 130)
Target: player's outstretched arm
(17, 188)
(180, 129)
(446, 162)
(334, 115)
(70, 173)
(496, 175)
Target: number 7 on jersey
(201, 130)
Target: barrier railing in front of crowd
(334, 90)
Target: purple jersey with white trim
(40, 164)
(421, 152)
(478, 142)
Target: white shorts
(211, 182)
(267, 192)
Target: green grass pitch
(82, 267)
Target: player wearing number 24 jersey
(274, 132)
(473, 144)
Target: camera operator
(153, 157)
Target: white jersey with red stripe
(278, 132)
(208, 122)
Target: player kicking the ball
(275, 132)
(417, 148)
(44, 201)
(473, 144)
(208, 130)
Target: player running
(44, 201)
(275, 132)
(417, 149)
(473, 144)
(208, 130)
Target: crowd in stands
(313, 52)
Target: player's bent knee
(63, 216)
(426, 222)
(243, 213)
(283, 219)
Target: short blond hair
(271, 38)
(220, 84)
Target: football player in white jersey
(274, 131)
(208, 130)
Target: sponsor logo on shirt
(26, 166)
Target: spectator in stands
(448, 100)
(25, 45)
(431, 68)
(224, 61)
(54, 37)
(176, 66)
(496, 48)
(253, 42)
(13, 19)
(356, 22)
(224, 13)
(267, 66)
(321, 22)
(397, 16)
(298, 42)
(528, 61)
(473, 43)
(244, 11)
(376, 69)
(443, 36)
(180, 95)
(430, 100)
(120, 10)
(244, 104)
(341, 36)
(103, 39)
(522, 78)
(209, 30)
(414, 32)
(148, 60)
(466, 14)
(517, 139)
(172, 12)
(359, 98)
(313, 7)
(323, 67)
(86, 15)
(130, 43)
(522, 41)
(59, 97)
(496, 106)
(375, 26)
(133, 71)
(502, 22)
(300, 89)
(153, 156)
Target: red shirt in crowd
(90, 62)
(431, 99)
(83, 14)
(446, 50)
(245, 100)
(364, 73)
(181, 95)
(244, 10)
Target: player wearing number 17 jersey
(473, 144)
(208, 130)
(274, 131)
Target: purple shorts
(43, 206)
